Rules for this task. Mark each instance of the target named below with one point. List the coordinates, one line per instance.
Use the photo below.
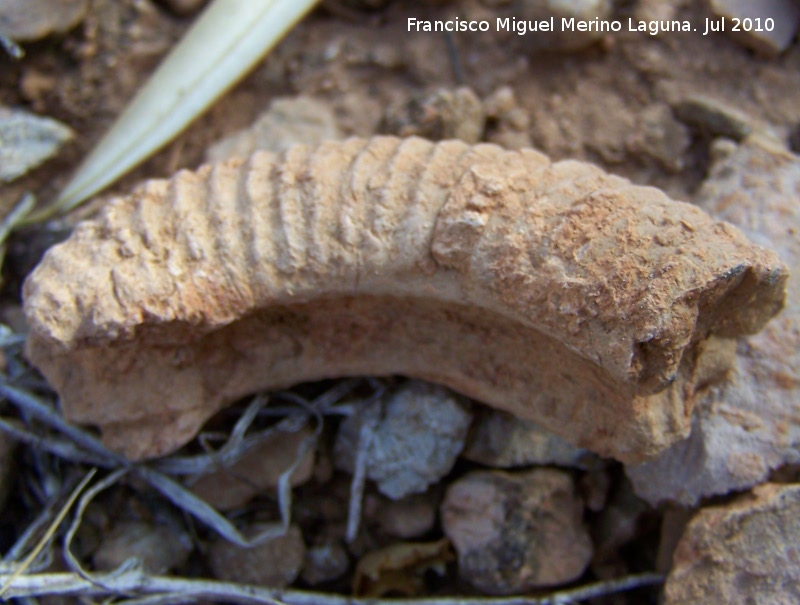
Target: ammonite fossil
(551, 290)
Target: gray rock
(27, 140)
(276, 563)
(410, 517)
(713, 117)
(749, 424)
(500, 440)
(662, 137)
(288, 121)
(785, 15)
(560, 39)
(419, 434)
(325, 563)
(27, 20)
(740, 553)
(515, 531)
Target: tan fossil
(550, 290)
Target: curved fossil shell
(551, 290)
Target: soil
(612, 103)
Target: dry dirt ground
(621, 102)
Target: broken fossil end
(550, 290)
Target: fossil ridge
(553, 291)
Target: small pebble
(27, 140)
(325, 563)
(275, 563)
(288, 121)
(444, 114)
(753, 31)
(28, 20)
(500, 440)
(411, 517)
(415, 442)
(516, 531)
(158, 548)
(713, 117)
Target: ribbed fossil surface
(550, 290)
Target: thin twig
(135, 582)
(26, 563)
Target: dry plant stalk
(553, 291)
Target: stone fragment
(713, 117)
(158, 548)
(276, 563)
(288, 121)
(415, 442)
(661, 137)
(500, 440)
(257, 471)
(410, 517)
(27, 20)
(325, 563)
(443, 114)
(748, 424)
(550, 290)
(753, 29)
(27, 140)
(744, 552)
(516, 531)
(561, 39)
(508, 123)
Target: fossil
(550, 290)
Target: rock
(27, 140)
(409, 517)
(713, 117)
(756, 34)
(288, 121)
(508, 123)
(662, 137)
(749, 424)
(257, 471)
(325, 563)
(500, 440)
(443, 114)
(158, 548)
(561, 39)
(416, 441)
(27, 20)
(276, 563)
(550, 290)
(516, 531)
(740, 553)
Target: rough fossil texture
(740, 553)
(749, 424)
(553, 291)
